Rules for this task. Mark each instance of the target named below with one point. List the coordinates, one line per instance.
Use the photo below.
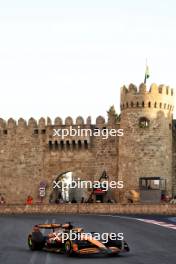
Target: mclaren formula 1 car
(82, 245)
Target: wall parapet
(154, 89)
(105, 208)
(44, 123)
(160, 97)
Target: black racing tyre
(68, 248)
(114, 243)
(34, 245)
(121, 244)
(30, 243)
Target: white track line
(148, 221)
(160, 223)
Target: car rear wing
(48, 226)
(54, 226)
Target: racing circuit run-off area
(149, 243)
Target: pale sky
(65, 57)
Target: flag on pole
(147, 74)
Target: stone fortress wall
(145, 150)
(29, 154)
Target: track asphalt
(149, 243)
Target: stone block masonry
(29, 154)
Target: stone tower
(145, 150)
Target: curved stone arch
(57, 178)
(62, 173)
(144, 122)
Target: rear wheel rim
(67, 247)
(30, 242)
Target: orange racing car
(59, 240)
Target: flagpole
(146, 72)
(145, 79)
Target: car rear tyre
(68, 248)
(33, 245)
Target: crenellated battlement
(161, 97)
(43, 123)
(35, 152)
(154, 88)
